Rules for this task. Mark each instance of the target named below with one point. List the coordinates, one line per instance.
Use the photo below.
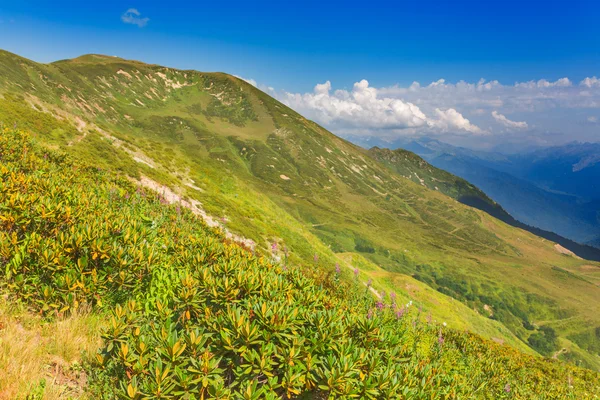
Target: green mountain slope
(262, 171)
(413, 167)
(188, 314)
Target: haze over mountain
(286, 187)
(572, 169)
(504, 188)
(555, 189)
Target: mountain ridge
(266, 173)
(554, 209)
(474, 197)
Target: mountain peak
(96, 59)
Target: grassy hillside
(550, 189)
(186, 313)
(507, 188)
(259, 170)
(413, 167)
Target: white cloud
(543, 83)
(323, 88)
(452, 119)
(507, 122)
(438, 83)
(133, 16)
(359, 108)
(365, 108)
(590, 82)
(482, 85)
(592, 119)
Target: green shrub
(192, 315)
(544, 341)
(363, 246)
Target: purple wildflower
(337, 268)
(440, 340)
(400, 313)
(127, 196)
(507, 388)
(316, 257)
(274, 247)
(370, 314)
(393, 296)
(380, 305)
(355, 272)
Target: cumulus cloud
(133, 16)
(452, 119)
(507, 122)
(360, 107)
(590, 82)
(365, 108)
(323, 88)
(543, 83)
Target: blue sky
(292, 46)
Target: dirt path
(194, 206)
(558, 353)
(568, 252)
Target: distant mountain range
(555, 189)
(415, 168)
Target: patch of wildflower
(193, 315)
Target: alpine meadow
(175, 234)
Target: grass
(184, 312)
(337, 200)
(435, 305)
(42, 359)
